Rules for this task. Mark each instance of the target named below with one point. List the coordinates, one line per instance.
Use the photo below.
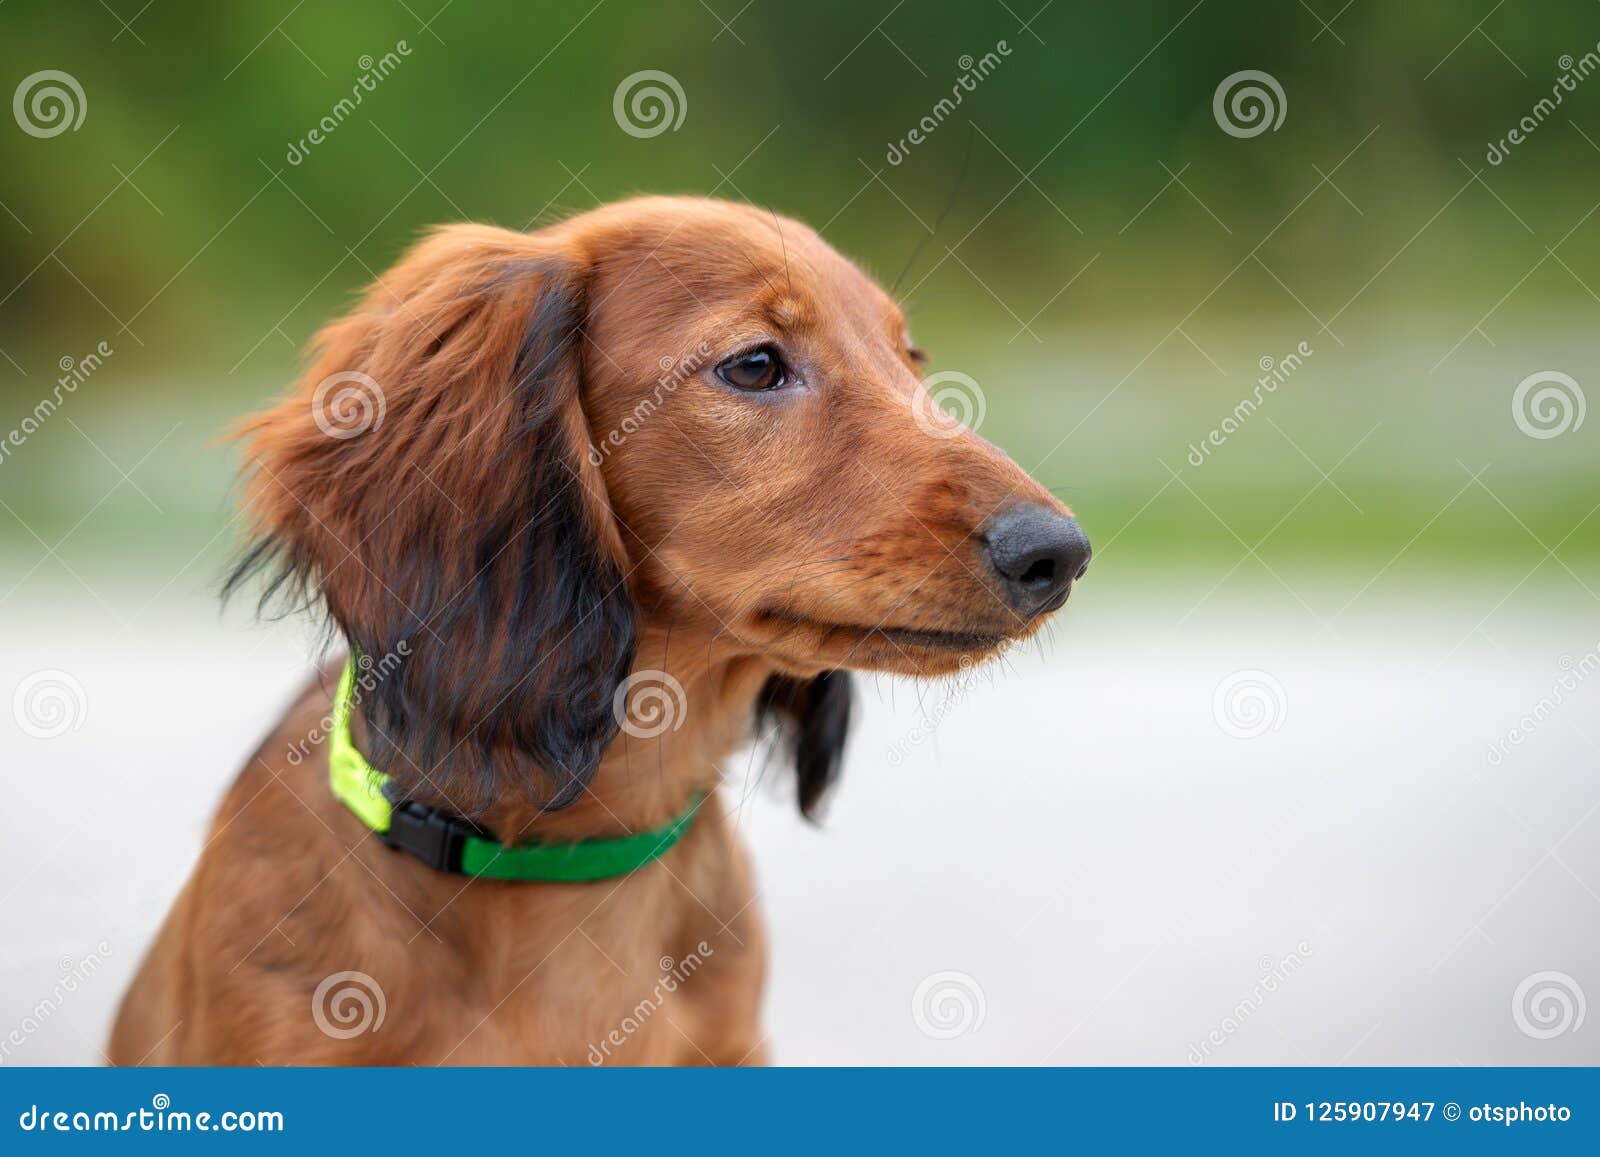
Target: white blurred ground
(1075, 834)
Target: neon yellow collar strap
(449, 843)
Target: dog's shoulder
(279, 816)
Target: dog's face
(780, 475)
(523, 450)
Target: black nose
(1037, 553)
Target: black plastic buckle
(432, 836)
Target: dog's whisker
(741, 611)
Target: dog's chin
(924, 652)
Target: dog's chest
(644, 973)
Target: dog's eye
(760, 369)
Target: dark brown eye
(760, 369)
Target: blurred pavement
(1065, 859)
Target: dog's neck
(691, 705)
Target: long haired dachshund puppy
(587, 504)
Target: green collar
(449, 843)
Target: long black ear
(428, 484)
(815, 714)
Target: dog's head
(521, 451)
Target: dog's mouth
(925, 638)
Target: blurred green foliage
(1111, 269)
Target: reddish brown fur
(755, 536)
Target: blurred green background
(1111, 271)
(1382, 547)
